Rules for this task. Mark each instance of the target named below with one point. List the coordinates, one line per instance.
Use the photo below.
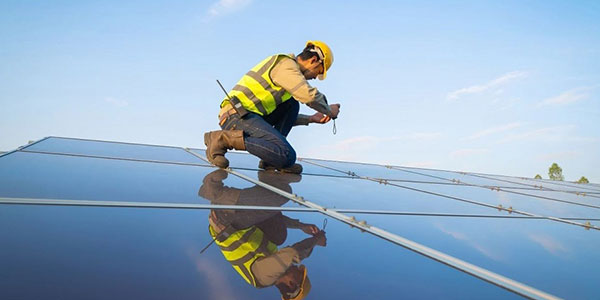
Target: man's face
(312, 68)
(294, 277)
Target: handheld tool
(235, 102)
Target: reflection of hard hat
(303, 288)
(325, 55)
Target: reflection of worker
(262, 108)
(249, 238)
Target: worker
(248, 239)
(261, 109)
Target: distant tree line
(555, 173)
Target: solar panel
(544, 237)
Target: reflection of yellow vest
(242, 248)
(256, 91)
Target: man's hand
(310, 229)
(322, 118)
(335, 110)
(319, 118)
(321, 238)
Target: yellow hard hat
(304, 288)
(326, 56)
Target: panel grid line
(586, 225)
(501, 189)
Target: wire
(334, 128)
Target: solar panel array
(98, 219)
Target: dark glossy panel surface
(550, 256)
(370, 170)
(478, 189)
(357, 193)
(114, 149)
(513, 186)
(101, 253)
(582, 198)
(540, 206)
(498, 180)
(544, 254)
(31, 175)
(566, 185)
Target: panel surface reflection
(99, 253)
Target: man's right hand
(319, 118)
(321, 238)
(335, 110)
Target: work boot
(218, 142)
(294, 169)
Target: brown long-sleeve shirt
(268, 269)
(286, 74)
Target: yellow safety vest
(242, 248)
(256, 91)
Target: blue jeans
(264, 136)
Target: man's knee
(290, 158)
(285, 158)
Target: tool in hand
(235, 102)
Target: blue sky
(505, 87)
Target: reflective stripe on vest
(256, 91)
(242, 248)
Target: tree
(537, 176)
(583, 180)
(555, 172)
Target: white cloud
(492, 130)
(567, 97)
(357, 148)
(489, 252)
(361, 142)
(224, 7)
(420, 164)
(467, 152)
(217, 283)
(558, 156)
(548, 134)
(550, 244)
(486, 86)
(116, 102)
(423, 136)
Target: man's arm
(287, 75)
(302, 120)
(268, 269)
(295, 223)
